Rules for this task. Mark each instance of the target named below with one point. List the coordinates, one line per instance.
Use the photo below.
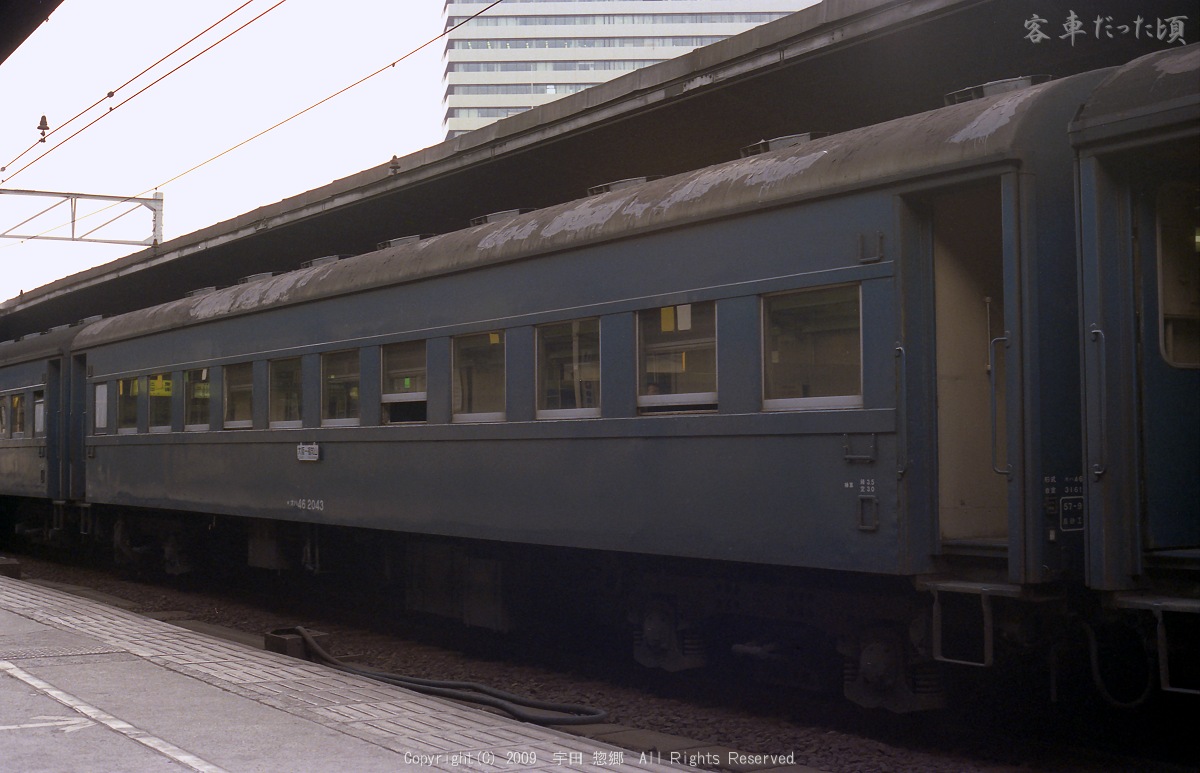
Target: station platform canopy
(838, 65)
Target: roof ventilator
(779, 143)
(993, 88)
(255, 277)
(628, 182)
(322, 261)
(199, 291)
(498, 217)
(403, 240)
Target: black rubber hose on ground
(514, 705)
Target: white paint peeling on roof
(997, 116)
(774, 170)
(590, 213)
(253, 294)
(517, 231)
(762, 171)
(1187, 61)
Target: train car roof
(1150, 94)
(36, 346)
(1010, 127)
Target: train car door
(972, 369)
(1141, 282)
(1168, 264)
(77, 428)
(47, 425)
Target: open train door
(1138, 144)
(1140, 285)
(973, 343)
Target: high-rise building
(524, 53)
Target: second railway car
(823, 402)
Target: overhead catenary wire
(114, 92)
(290, 118)
(334, 95)
(142, 90)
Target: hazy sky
(294, 56)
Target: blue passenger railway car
(915, 396)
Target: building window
(160, 386)
(812, 349)
(39, 413)
(479, 377)
(239, 396)
(569, 369)
(677, 358)
(127, 402)
(4, 416)
(285, 393)
(197, 391)
(1179, 274)
(339, 389)
(100, 407)
(404, 385)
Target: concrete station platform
(86, 686)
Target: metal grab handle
(1101, 466)
(901, 411)
(1007, 470)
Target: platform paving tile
(452, 737)
(334, 697)
(358, 712)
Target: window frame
(1179, 269)
(100, 413)
(592, 412)
(226, 388)
(188, 401)
(297, 422)
(17, 415)
(822, 402)
(387, 398)
(341, 421)
(675, 402)
(38, 401)
(472, 417)
(169, 378)
(133, 398)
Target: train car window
(677, 358)
(239, 396)
(339, 389)
(18, 416)
(568, 369)
(404, 383)
(160, 386)
(478, 389)
(197, 396)
(4, 416)
(100, 408)
(39, 413)
(1179, 274)
(812, 349)
(284, 396)
(127, 399)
